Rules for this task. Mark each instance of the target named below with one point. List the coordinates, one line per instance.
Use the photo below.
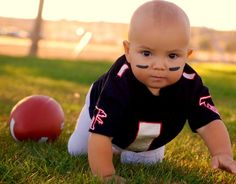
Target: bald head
(159, 14)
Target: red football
(39, 118)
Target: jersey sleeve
(202, 109)
(110, 108)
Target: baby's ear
(190, 51)
(126, 47)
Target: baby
(144, 100)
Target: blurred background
(90, 29)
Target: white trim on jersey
(189, 76)
(122, 70)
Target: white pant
(78, 142)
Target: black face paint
(173, 69)
(170, 69)
(142, 66)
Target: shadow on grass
(165, 172)
(172, 173)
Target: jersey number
(147, 132)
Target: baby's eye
(173, 56)
(146, 53)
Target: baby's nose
(159, 64)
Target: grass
(186, 157)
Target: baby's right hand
(115, 178)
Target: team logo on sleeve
(98, 118)
(205, 101)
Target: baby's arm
(217, 140)
(100, 158)
(100, 155)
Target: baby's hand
(115, 178)
(224, 162)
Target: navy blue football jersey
(123, 108)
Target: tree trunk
(35, 34)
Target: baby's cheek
(175, 76)
(138, 73)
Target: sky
(216, 14)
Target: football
(39, 118)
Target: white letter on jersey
(146, 133)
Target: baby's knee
(77, 146)
(76, 150)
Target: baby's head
(158, 44)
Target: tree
(35, 34)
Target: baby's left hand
(224, 162)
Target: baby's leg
(146, 157)
(78, 142)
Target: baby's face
(157, 55)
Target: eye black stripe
(142, 66)
(174, 68)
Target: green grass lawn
(186, 157)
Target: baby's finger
(214, 163)
(232, 167)
(228, 165)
